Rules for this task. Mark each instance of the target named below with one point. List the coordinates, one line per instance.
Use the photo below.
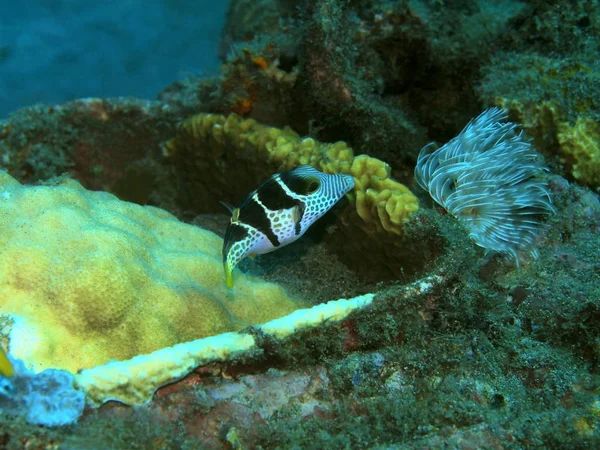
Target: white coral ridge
(489, 178)
(134, 381)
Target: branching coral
(488, 177)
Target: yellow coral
(380, 200)
(577, 145)
(580, 145)
(88, 278)
(206, 141)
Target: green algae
(133, 429)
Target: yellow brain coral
(86, 278)
(206, 144)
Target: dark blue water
(52, 51)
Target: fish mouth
(349, 179)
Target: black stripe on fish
(272, 194)
(299, 184)
(252, 213)
(234, 233)
(275, 197)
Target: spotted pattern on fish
(279, 212)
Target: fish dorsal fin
(228, 206)
(235, 212)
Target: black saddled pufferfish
(279, 211)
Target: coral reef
(546, 76)
(388, 77)
(571, 147)
(432, 344)
(87, 278)
(134, 381)
(564, 130)
(498, 346)
(211, 150)
(380, 201)
(105, 144)
(385, 77)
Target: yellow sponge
(86, 278)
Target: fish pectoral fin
(297, 213)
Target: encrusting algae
(86, 278)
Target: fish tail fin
(228, 274)
(6, 367)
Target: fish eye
(312, 186)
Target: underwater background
(54, 51)
(450, 299)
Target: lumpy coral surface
(86, 278)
